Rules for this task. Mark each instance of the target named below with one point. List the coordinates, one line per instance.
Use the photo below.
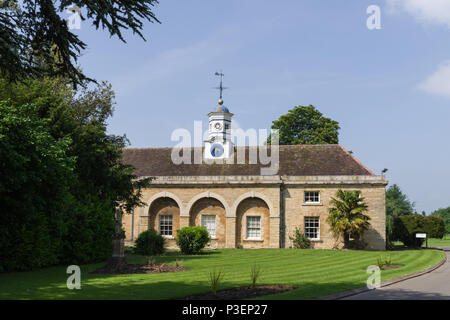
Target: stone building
(222, 187)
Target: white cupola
(219, 144)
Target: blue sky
(389, 89)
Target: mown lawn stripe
(316, 272)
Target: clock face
(218, 126)
(216, 150)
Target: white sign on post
(421, 235)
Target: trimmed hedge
(406, 227)
(150, 243)
(435, 227)
(192, 240)
(445, 214)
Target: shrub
(255, 272)
(299, 240)
(215, 277)
(388, 261)
(406, 227)
(150, 243)
(434, 227)
(178, 263)
(129, 249)
(380, 262)
(445, 214)
(192, 239)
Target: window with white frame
(312, 227)
(209, 222)
(165, 225)
(312, 197)
(253, 227)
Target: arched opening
(253, 223)
(164, 217)
(210, 213)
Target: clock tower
(219, 145)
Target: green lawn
(439, 242)
(315, 272)
(432, 242)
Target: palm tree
(346, 216)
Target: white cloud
(426, 11)
(439, 82)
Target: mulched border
(141, 269)
(392, 266)
(240, 293)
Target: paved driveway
(431, 286)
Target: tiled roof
(297, 160)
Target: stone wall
(232, 199)
(248, 208)
(210, 207)
(193, 200)
(296, 211)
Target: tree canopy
(36, 176)
(62, 174)
(397, 204)
(35, 40)
(306, 125)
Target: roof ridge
(296, 160)
(269, 145)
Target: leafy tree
(82, 115)
(445, 214)
(35, 40)
(305, 125)
(397, 204)
(346, 216)
(98, 183)
(36, 175)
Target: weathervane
(221, 88)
